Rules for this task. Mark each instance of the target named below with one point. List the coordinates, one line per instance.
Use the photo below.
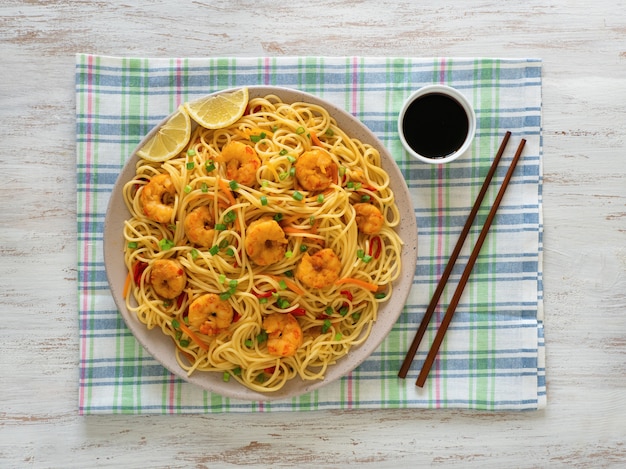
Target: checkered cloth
(493, 355)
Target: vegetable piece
(298, 196)
(226, 190)
(376, 246)
(126, 285)
(193, 336)
(298, 312)
(263, 200)
(315, 140)
(357, 281)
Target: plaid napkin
(493, 354)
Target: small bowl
(436, 124)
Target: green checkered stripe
(493, 357)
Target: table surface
(583, 48)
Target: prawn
(369, 218)
(168, 278)
(209, 314)
(241, 162)
(319, 270)
(284, 334)
(157, 198)
(265, 241)
(200, 226)
(315, 170)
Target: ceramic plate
(162, 348)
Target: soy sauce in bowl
(437, 124)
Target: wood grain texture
(583, 46)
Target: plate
(162, 348)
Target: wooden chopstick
(404, 369)
(434, 348)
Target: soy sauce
(435, 125)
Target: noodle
(331, 318)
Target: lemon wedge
(219, 110)
(171, 138)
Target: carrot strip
(315, 140)
(361, 283)
(224, 186)
(193, 336)
(126, 286)
(290, 284)
(294, 230)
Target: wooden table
(583, 46)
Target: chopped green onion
(329, 311)
(283, 152)
(214, 250)
(262, 301)
(288, 254)
(282, 303)
(343, 310)
(283, 285)
(190, 165)
(132, 245)
(289, 273)
(350, 185)
(292, 171)
(257, 138)
(184, 343)
(233, 283)
(380, 295)
(326, 326)
(300, 130)
(222, 278)
(366, 258)
(234, 185)
(329, 132)
(303, 247)
(342, 171)
(320, 198)
(356, 316)
(178, 335)
(282, 176)
(338, 336)
(187, 189)
(226, 377)
(204, 188)
(365, 198)
(261, 378)
(298, 196)
(248, 343)
(311, 220)
(230, 252)
(265, 183)
(357, 186)
(166, 244)
(220, 226)
(223, 243)
(225, 295)
(191, 152)
(237, 371)
(175, 323)
(209, 166)
(278, 217)
(230, 216)
(262, 337)
(194, 254)
(291, 159)
(263, 200)
(360, 253)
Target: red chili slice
(376, 246)
(298, 312)
(347, 294)
(138, 272)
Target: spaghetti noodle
(264, 249)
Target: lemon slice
(171, 138)
(219, 110)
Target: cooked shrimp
(315, 170)
(241, 162)
(265, 241)
(284, 334)
(369, 219)
(199, 226)
(168, 278)
(157, 198)
(319, 270)
(209, 314)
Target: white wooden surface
(583, 45)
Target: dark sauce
(435, 125)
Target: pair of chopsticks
(434, 349)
